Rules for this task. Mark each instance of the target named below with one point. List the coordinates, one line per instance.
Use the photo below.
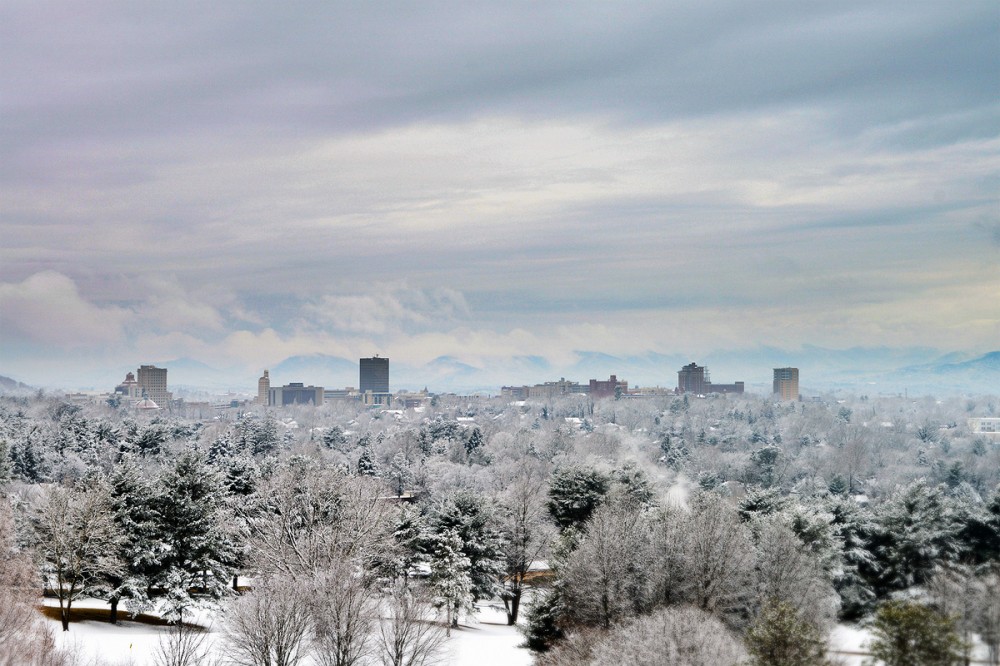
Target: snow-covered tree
(24, 639)
(706, 556)
(269, 626)
(606, 578)
(78, 542)
(305, 518)
(525, 532)
(198, 546)
(781, 636)
(474, 519)
(574, 493)
(140, 550)
(680, 636)
(344, 610)
(451, 579)
(409, 633)
(916, 528)
(788, 572)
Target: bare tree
(956, 593)
(269, 626)
(184, 645)
(606, 578)
(707, 557)
(24, 640)
(680, 636)
(305, 519)
(344, 611)
(411, 634)
(78, 541)
(986, 618)
(525, 529)
(787, 572)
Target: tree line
(748, 525)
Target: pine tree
(366, 463)
(132, 502)
(780, 636)
(399, 473)
(468, 516)
(574, 493)
(906, 633)
(198, 549)
(915, 529)
(450, 578)
(474, 441)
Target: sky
(242, 182)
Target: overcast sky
(242, 182)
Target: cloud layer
(239, 183)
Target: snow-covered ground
(483, 640)
(847, 644)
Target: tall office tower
(693, 378)
(786, 383)
(153, 381)
(263, 385)
(374, 375)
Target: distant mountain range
(10, 386)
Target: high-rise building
(153, 383)
(374, 375)
(263, 386)
(693, 378)
(786, 383)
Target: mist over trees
(741, 524)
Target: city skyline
(503, 187)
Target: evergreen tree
(915, 529)
(468, 516)
(673, 451)
(474, 442)
(334, 438)
(197, 546)
(366, 463)
(132, 503)
(544, 626)
(853, 526)
(574, 493)
(780, 636)
(906, 633)
(399, 473)
(451, 578)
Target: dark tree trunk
(64, 614)
(236, 579)
(114, 610)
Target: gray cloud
(243, 180)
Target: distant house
(986, 425)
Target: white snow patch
(482, 640)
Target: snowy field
(484, 640)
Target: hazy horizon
(240, 184)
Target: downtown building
(786, 383)
(152, 384)
(373, 381)
(694, 378)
